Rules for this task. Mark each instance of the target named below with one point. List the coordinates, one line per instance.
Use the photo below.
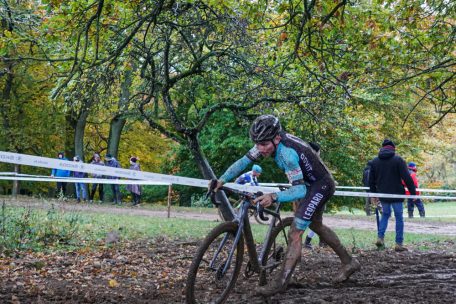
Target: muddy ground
(155, 272)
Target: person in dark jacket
(81, 190)
(96, 160)
(112, 162)
(386, 175)
(61, 186)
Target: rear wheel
(276, 248)
(210, 279)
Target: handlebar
(244, 194)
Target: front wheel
(276, 248)
(210, 279)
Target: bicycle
(218, 260)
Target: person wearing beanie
(135, 190)
(412, 202)
(96, 160)
(388, 170)
(61, 186)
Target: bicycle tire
(204, 282)
(276, 248)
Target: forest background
(177, 83)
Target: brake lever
(260, 209)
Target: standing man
(302, 165)
(112, 162)
(61, 186)
(387, 172)
(96, 160)
(412, 202)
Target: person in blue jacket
(61, 186)
(251, 177)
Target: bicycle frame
(244, 229)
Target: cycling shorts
(311, 207)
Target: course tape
(149, 178)
(363, 188)
(86, 180)
(53, 163)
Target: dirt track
(155, 272)
(368, 223)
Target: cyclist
(250, 177)
(302, 165)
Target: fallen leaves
(140, 270)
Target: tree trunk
(79, 134)
(69, 135)
(115, 132)
(16, 185)
(225, 206)
(118, 122)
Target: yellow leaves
(113, 283)
(7, 33)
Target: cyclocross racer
(302, 165)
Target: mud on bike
(219, 258)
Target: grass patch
(56, 229)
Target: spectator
(250, 177)
(386, 175)
(112, 162)
(368, 200)
(61, 186)
(96, 160)
(80, 187)
(135, 190)
(412, 202)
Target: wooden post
(169, 199)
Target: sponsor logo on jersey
(310, 209)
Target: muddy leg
(349, 264)
(293, 255)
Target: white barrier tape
(51, 163)
(87, 180)
(342, 193)
(261, 184)
(21, 174)
(386, 195)
(363, 188)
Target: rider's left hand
(266, 200)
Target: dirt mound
(155, 272)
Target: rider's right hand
(214, 185)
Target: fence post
(169, 199)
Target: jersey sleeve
(235, 169)
(288, 160)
